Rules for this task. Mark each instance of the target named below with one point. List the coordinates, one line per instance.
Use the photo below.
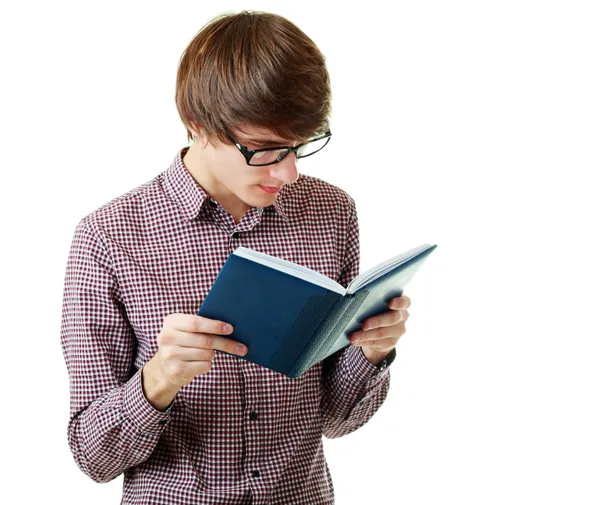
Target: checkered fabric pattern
(241, 433)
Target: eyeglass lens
(272, 156)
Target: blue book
(292, 317)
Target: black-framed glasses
(270, 155)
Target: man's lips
(270, 189)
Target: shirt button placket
(254, 440)
(234, 241)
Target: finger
(194, 340)
(188, 369)
(206, 341)
(360, 337)
(179, 338)
(197, 324)
(399, 302)
(389, 318)
(385, 344)
(189, 353)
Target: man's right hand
(186, 348)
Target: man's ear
(194, 129)
(199, 133)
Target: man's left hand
(382, 332)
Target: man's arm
(112, 426)
(353, 387)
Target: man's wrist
(157, 390)
(374, 357)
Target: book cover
(290, 317)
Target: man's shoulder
(126, 209)
(318, 193)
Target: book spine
(311, 317)
(328, 332)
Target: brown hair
(253, 68)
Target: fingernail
(242, 349)
(227, 327)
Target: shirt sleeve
(353, 388)
(112, 426)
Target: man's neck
(231, 203)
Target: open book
(291, 317)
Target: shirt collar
(183, 188)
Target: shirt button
(255, 473)
(235, 235)
(253, 416)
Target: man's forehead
(260, 135)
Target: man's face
(231, 174)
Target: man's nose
(286, 170)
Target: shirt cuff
(361, 369)
(356, 365)
(140, 410)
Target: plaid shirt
(240, 433)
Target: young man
(152, 395)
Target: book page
(384, 267)
(290, 268)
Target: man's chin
(256, 197)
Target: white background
(472, 125)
